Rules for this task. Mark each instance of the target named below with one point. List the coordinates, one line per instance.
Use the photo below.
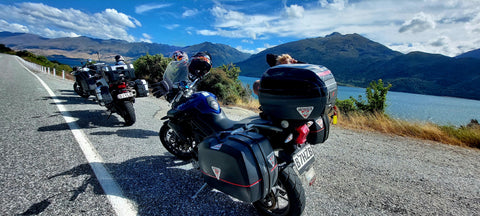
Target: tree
(376, 95)
(223, 82)
(151, 67)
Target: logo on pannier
(217, 172)
(216, 147)
(305, 111)
(271, 159)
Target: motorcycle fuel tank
(204, 102)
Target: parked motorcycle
(86, 78)
(261, 160)
(114, 87)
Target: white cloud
(146, 38)
(12, 27)
(295, 11)
(334, 4)
(52, 22)
(148, 7)
(189, 13)
(420, 22)
(172, 26)
(405, 26)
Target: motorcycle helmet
(200, 64)
(179, 56)
(119, 58)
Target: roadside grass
(465, 136)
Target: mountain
(221, 54)
(470, 54)
(356, 61)
(72, 50)
(347, 55)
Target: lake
(416, 107)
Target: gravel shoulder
(369, 173)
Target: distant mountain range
(353, 59)
(356, 61)
(74, 50)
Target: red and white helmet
(179, 56)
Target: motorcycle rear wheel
(288, 198)
(174, 144)
(127, 112)
(79, 90)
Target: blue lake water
(416, 107)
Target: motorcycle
(264, 159)
(113, 86)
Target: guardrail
(39, 68)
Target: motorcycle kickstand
(111, 113)
(196, 194)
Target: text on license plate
(125, 95)
(303, 159)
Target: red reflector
(122, 85)
(302, 134)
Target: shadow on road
(87, 119)
(158, 185)
(69, 100)
(130, 133)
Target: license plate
(125, 95)
(303, 159)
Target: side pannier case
(297, 92)
(241, 165)
(319, 130)
(141, 87)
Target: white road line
(120, 204)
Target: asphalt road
(43, 170)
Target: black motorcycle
(261, 160)
(114, 87)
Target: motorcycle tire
(128, 113)
(174, 144)
(287, 199)
(79, 90)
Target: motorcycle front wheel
(127, 112)
(170, 141)
(287, 198)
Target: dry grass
(461, 136)
(465, 136)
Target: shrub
(376, 98)
(151, 67)
(223, 82)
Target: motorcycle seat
(225, 124)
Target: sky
(448, 27)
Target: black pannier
(319, 130)
(86, 80)
(141, 87)
(242, 165)
(115, 72)
(297, 91)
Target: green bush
(376, 95)
(151, 67)
(223, 82)
(376, 98)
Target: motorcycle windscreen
(176, 71)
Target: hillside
(356, 61)
(76, 49)
(470, 54)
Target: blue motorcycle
(265, 159)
